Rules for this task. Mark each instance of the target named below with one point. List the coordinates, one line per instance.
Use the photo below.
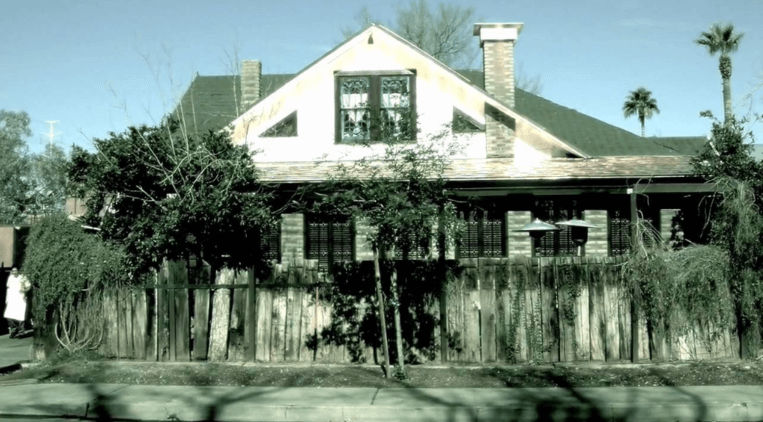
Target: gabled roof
(216, 102)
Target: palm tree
(640, 103)
(722, 39)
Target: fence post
(250, 305)
(442, 271)
(636, 295)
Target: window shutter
(318, 242)
(343, 241)
(492, 237)
(270, 243)
(566, 244)
(469, 247)
(619, 232)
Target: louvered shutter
(619, 232)
(270, 243)
(342, 241)
(492, 236)
(318, 241)
(545, 245)
(566, 246)
(469, 247)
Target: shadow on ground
(565, 403)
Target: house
(525, 157)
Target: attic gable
(387, 52)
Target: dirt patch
(212, 374)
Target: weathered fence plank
(548, 312)
(162, 317)
(264, 315)
(502, 308)
(218, 335)
(124, 351)
(111, 316)
(612, 341)
(139, 327)
(624, 323)
(488, 313)
(306, 326)
(598, 320)
(582, 314)
(278, 328)
(201, 324)
(293, 323)
(236, 336)
(182, 326)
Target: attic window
(375, 106)
(287, 127)
(465, 124)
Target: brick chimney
(251, 75)
(497, 41)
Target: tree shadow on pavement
(564, 403)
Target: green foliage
(48, 179)
(682, 287)
(736, 221)
(14, 165)
(354, 322)
(640, 103)
(164, 195)
(63, 263)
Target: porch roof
(506, 169)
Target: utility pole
(52, 134)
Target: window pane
(354, 104)
(395, 105)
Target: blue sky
(99, 66)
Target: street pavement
(188, 403)
(24, 400)
(14, 351)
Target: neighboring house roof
(214, 102)
(504, 169)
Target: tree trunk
(398, 330)
(382, 318)
(727, 99)
(218, 332)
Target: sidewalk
(14, 351)
(162, 403)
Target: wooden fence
(498, 310)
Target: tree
(722, 39)
(641, 104)
(736, 221)
(165, 196)
(47, 177)
(14, 165)
(445, 33)
(402, 196)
